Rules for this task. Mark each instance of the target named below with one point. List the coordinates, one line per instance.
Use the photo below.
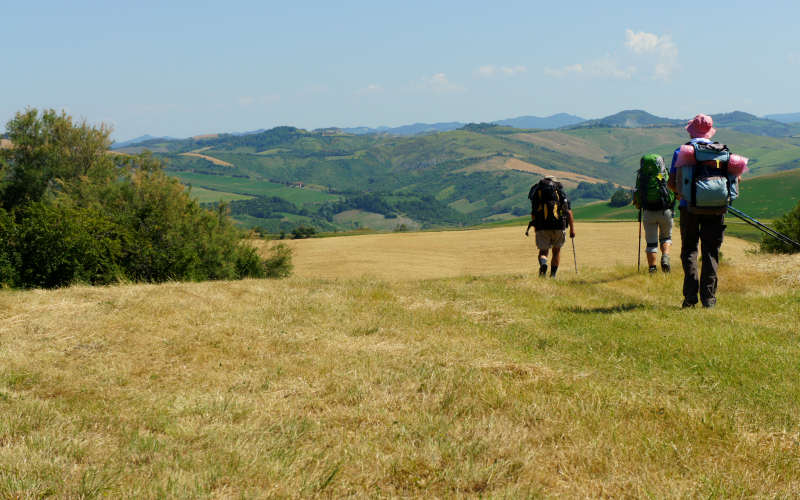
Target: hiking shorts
(550, 238)
(657, 228)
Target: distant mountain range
(784, 117)
(776, 125)
(634, 118)
(138, 140)
(524, 122)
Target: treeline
(71, 212)
(599, 191)
(272, 212)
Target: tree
(72, 212)
(620, 198)
(788, 224)
(48, 153)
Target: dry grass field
(485, 252)
(215, 161)
(569, 179)
(427, 365)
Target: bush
(301, 232)
(99, 218)
(621, 198)
(788, 224)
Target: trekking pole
(763, 227)
(639, 258)
(574, 257)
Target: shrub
(98, 218)
(788, 224)
(301, 232)
(621, 198)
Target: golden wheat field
(421, 365)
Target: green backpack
(651, 185)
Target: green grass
(253, 187)
(601, 210)
(769, 196)
(596, 385)
(203, 195)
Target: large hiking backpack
(548, 205)
(707, 186)
(651, 185)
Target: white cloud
(490, 71)
(661, 48)
(372, 88)
(608, 67)
(565, 71)
(604, 67)
(648, 55)
(440, 84)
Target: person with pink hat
(704, 228)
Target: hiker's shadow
(621, 308)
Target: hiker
(550, 214)
(699, 176)
(656, 204)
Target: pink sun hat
(701, 126)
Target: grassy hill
(421, 383)
(766, 196)
(479, 173)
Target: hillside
(412, 385)
(469, 176)
(751, 124)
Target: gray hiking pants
(708, 230)
(657, 228)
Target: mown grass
(593, 385)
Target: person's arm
(529, 226)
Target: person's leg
(665, 239)
(542, 262)
(651, 238)
(690, 237)
(555, 262)
(559, 238)
(712, 229)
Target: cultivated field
(410, 365)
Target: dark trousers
(708, 230)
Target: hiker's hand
(571, 233)
(526, 232)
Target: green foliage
(50, 151)
(279, 263)
(596, 191)
(302, 232)
(87, 216)
(621, 197)
(789, 225)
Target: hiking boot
(543, 270)
(652, 270)
(709, 304)
(665, 263)
(687, 305)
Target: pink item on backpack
(685, 156)
(737, 165)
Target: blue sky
(184, 68)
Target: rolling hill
(475, 174)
